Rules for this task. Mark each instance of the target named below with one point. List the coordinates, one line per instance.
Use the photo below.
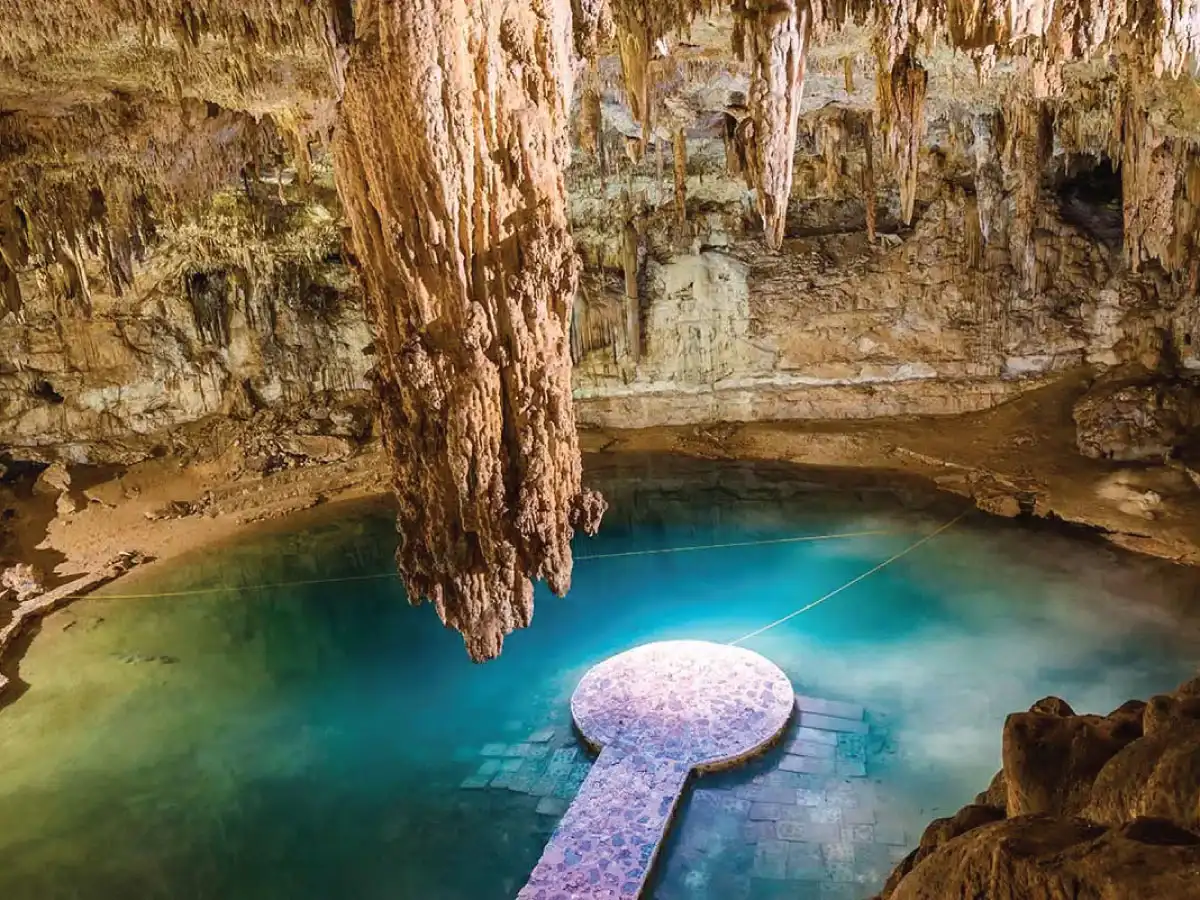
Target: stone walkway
(808, 821)
(657, 713)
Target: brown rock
(1157, 775)
(1050, 761)
(1140, 421)
(939, 832)
(1043, 858)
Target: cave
(535, 449)
(1089, 197)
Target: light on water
(313, 741)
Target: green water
(310, 742)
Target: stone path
(657, 713)
(815, 819)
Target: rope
(393, 574)
(887, 562)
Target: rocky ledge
(1084, 807)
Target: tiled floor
(806, 822)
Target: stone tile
(770, 860)
(562, 760)
(805, 863)
(832, 723)
(541, 736)
(780, 795)
(810, 798)
(766, 889)
(734, 806)
(890, 833)
(858, 815)
(517, 750)
(769, 812)
(475, 782)
(502, 780)
(851, 768)
(545, 786)
(756, 832)
(816, 736)
(833, 708)
(521, 782)
(494, 750)
(837, 852)
(796, 814)
(853, 746)
(808, 764)
(826, 814)
(858, 834)
(791, 831)
(508, 765)
(489, 767)
(841, 872)
(873, 863)
(551, 806)
(812, 748)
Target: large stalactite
(453, 188)
(775, 37)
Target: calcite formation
(457, 209)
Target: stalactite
(681, 162)
(454, 193)
(1030, 134)
(629, 262)
(848, 73)
(901, 96)
(593, 25)
(832, 145)
(591, 117)
(869, 177)
(775, 36)
(640, 27)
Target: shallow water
(313, 741)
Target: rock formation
(952, 203)
(1085, 806)
(457, 210)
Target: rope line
(887, 562)
(393, 574)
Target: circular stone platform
(707, 705)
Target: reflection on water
(310, 742)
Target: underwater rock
(23, 581)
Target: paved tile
(890, 833)
(770, 860)
(832, 723)
(810, 798)
(812, 748)
(834, 708)
(508, 765)
(858, 815)
(475, 781)
(562, 760)
(851, 768)
(522, 782)
(769, 812)
(816, 736)
(490, 767)
(837, 852)
(826, 814)
(502, 780)
(545, 786)
(493, 750)
(517, 750)
(758, 831)
(805, 863)
(659, 711)
(541, 736)
(858, 834)
(791, 831)
(808, 764)
(551, 806)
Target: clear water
(310, 741)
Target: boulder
(939, 832)
(1050, 760)
(1050, 858)
(1146, 421)
(1157, 775)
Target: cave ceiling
(464, 153)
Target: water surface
(311, 741)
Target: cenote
(325, 739)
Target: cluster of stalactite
(453, 188)
(902, 90)
(66, 202)
(774, 34)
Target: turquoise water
(311, 741)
